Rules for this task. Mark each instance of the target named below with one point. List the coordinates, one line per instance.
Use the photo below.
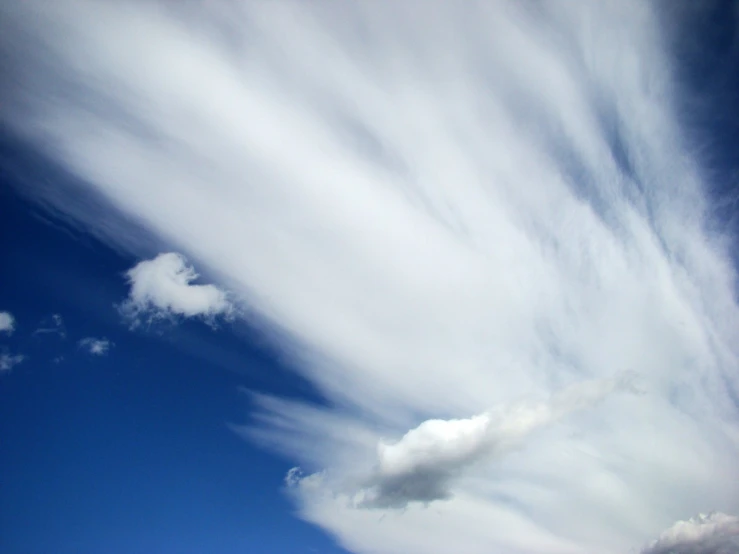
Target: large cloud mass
(437, 208)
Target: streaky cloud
(52, 325)
(431, 208)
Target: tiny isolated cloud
(52, 325)
(96, 346)
(715, 533)
(9, 361)
(162, 288)
(7, 323)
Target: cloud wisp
(7, 323)
(162, 288)
(9, 361)
(52, 325)
(435, 208)
(96, 346)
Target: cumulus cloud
(7, 323)
(162, 287)
(715, 533)
(95, 346)
(9, 361)
(432, 208)
(421, 465)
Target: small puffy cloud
(715, 533)
(96, 347)
(7, 323)
(162, 288)
(8, 361)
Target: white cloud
(9, 361)
(436, 209)
(7, 323)
(95, 346)
(422, 465)
(715, 533)
(162, 287)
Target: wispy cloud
(9, 361)
(7, 323)
(96, 346)
(52, 325)
(162, 288)
(438, 207)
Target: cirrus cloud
(52, 326)
(439, 208)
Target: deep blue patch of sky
(706, 56)
(129, 452)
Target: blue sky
(302, 277)
(129, 451)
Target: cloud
(96, 347)
(715, 533)
(431, 210)
(52, 325)
(421, 466)
(7, 323)
(161, 288)
(9, 361)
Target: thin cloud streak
(435, 210)
(52, 325)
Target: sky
(369, 277)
